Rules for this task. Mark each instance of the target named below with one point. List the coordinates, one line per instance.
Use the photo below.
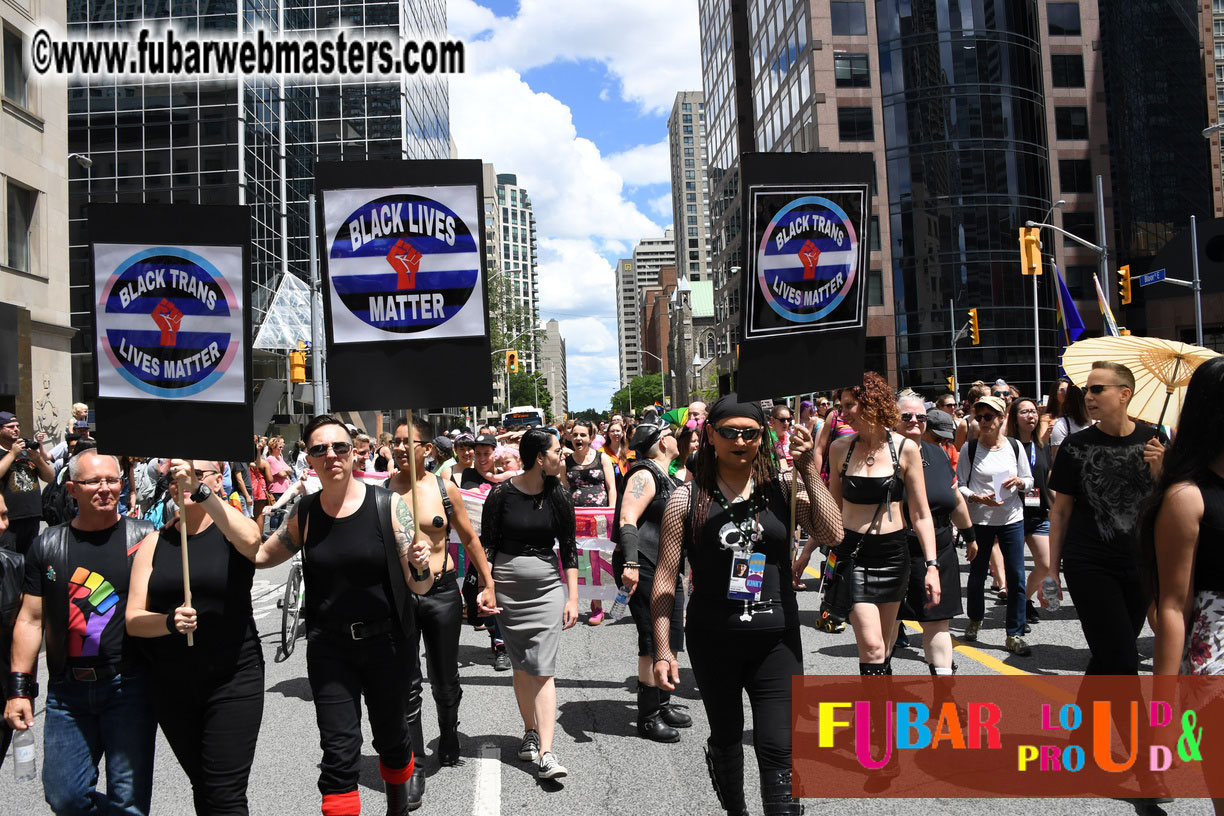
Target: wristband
(932, 563)
(628, 535)
(170, 623)
(418, 575)
(632, 565)
(969, 535)
(21, 684)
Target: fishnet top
(821, 518)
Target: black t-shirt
(472, 480)
(345, 565)
(1109, 481)
(97, 593)
(20, 489)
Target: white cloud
(587, 335)
(653, 48)
(662, 206)
(644, 165)
(591, 380)
(574, 279)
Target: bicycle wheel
(291, 609)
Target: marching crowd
(892, 490)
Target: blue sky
(574, 99)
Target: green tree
(591, 415)
(525, 388)
(644, 390)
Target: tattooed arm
(639, 493)
(411, 553)
(281, 545)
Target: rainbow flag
(1067, 318)
(1111, 325)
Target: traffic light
(974, 332)
(297, 366)
(951, 384)
(1030, 251)
(512, 362)
(1124, 285)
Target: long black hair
(1198, 443)
(534, 442)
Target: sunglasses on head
(748, 434)
(339, 448)
(1100, 387)
(908, 417)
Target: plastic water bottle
(1049, 591)
(618, 607)
(23, 756)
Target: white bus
(522, 417)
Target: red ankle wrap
(396, 776)
(342, 804)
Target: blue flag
(1067, 318)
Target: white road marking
(488, 782)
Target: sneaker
(1017, 646)
(595, 619)
(529, 749)
(971, 631)
(549, 767)
(501, 660)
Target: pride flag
(1111, 325)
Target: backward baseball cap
(6, 417)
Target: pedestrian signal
(1124, 285)
(974, 333)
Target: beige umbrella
(1162, 369)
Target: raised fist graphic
(167, 316)
(809, 254)
(406, 261)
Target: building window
(1064, 19)
(1219, 73)
(875, 287)
(851, 71)
(1067, 70)
(849, 19)
(1082, 224)
(14, 70)
(1071, 123)
(1075, 175)
(875, 233)
(1079, 278)
(854, 124)
(1217, 6)
(1217, 28)
(20, 224)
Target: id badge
(747, 577)
(1032, 498)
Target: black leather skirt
(881, 566)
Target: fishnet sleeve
(815, 509)
(671, 547)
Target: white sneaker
(549, 767)
(529, 749)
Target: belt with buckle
(97, 674)
(442, 581)
(364, 631)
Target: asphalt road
(611, 771)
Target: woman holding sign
(208, 697)
(522, 518)
(742, 631)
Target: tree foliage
(524, 389)
(641, 393)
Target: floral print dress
(1205, 641)
(587, 485)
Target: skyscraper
(553, 367)
(519, 262)
(690, 193)
(632, 276)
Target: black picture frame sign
(170, 286)
(805, 250)
(394, 339)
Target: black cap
(940, 423)
(485, 439)
(644, 436)
(443, 445)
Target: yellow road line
(977, 655)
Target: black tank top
(221, 579)
(1209, 554)
(711, 558)
(651, 522)
(345, 565)
(873, 489)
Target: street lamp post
(662, 374)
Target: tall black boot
(650, 719)
(726, 766)
(415, 787)
(875, 669)
(448, 738)
(776, 794)
(672, 714)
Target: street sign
(1152, 277)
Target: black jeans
(728, 663)
(211, 719)
(439, 617)
(1112, 604)
(341, 672)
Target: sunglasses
(1098, 389)
(747, 434)
(202, 474)
(985, 417)
(908, 417)
(338, 448)
(785, 420)
(1004, 394)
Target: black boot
(398, 803)
(726, 766)
(875, 669)
(448, 738)
(776, 794)
(416, 785)
(650, 719)
(672, 715)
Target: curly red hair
(877, 402)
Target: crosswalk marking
(488, 782)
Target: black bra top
(873, 489)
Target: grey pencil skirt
(532, 601)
